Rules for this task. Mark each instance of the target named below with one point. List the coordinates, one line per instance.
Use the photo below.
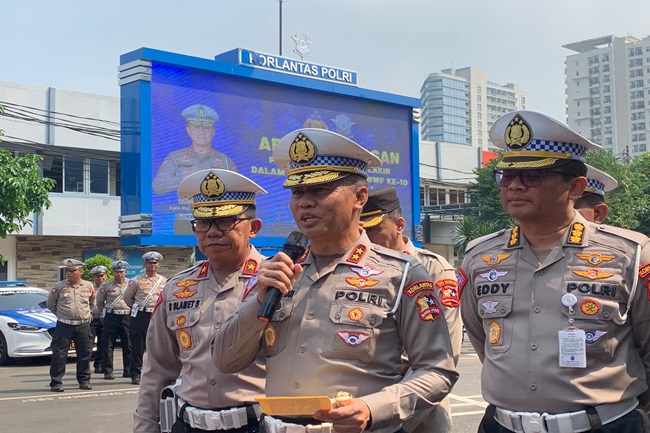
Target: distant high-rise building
(460, 106)
(608, 92)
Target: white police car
(26, 325)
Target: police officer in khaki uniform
(141, 296)
(591, 203)
(195, 303)
(111, 304)
(384, 224)
(98, 274)
(556, 307)
(71, 300)
(199, 156)
(350, 308)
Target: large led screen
(241, 119)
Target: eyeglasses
(530, 178)
(222, 224)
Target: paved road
(27, 405)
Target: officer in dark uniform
(97, 323)
(110, 301)
(71, 300)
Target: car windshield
(10, 300)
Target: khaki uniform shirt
(109, 292)
(438, 419)
(512, 309)
(139, 289)
(71, 301)
(93, 308)
(191, 308)
(345, 329)
(183, 162)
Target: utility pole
(280, 1)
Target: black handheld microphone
(294, 247)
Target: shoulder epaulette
(189, 271)
(636, 237)
(482, 239)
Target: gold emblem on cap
(201, 112)
(70, 264)
(302, 150)
(212, 186)
(518, 133)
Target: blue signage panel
(239, 120)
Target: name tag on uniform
(134, 309)
(573, 348)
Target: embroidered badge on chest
(494, 333)
(355, 314)
(595, 258)
(493, 275)
(490, 307)
(184, 339)
(495, 259)
(361, 283)
(593, 274)
(366, 271)
(353, 339)
(270, 336)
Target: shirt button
(217, 326)
(533, 387)
(296, 385)
(310, 316)
(213, 382)
(539, 273)
(221, 297)
(301, 350)
(537, 309)
(337, 316)
(533, 346)
(606, 314)
(282, 314)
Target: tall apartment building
(460, 105)
(608, 92)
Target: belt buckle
(532, 422)
(213, 420)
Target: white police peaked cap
(599, 182)
(313, 156)
(217, 193)
(200, 115)
(98, 270)
(534, 140)
(73, 264)
(152, 256)
(119, 265)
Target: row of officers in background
(105, 310)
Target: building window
(73, 174)
(53, 169)
(98, 176)
(84, 175)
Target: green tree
(24, 191)
(629, 202)
(97, 260)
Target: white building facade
(460, 105)
(608, 92)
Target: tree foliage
(97, 260)
(24, 191)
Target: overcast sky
(392, 44)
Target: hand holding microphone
(294, 247)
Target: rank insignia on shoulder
(250, 267)
(495, 259)
(203, 272)
(353, 339)
(595, 258)
(576, 234)
(357, 254)
(514, 239)
(593, 274)
(429, 309)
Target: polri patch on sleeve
(448, 292)
(418, 286)
(644, 270)
(429, 309)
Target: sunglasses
(529, 178)
(222, 224)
